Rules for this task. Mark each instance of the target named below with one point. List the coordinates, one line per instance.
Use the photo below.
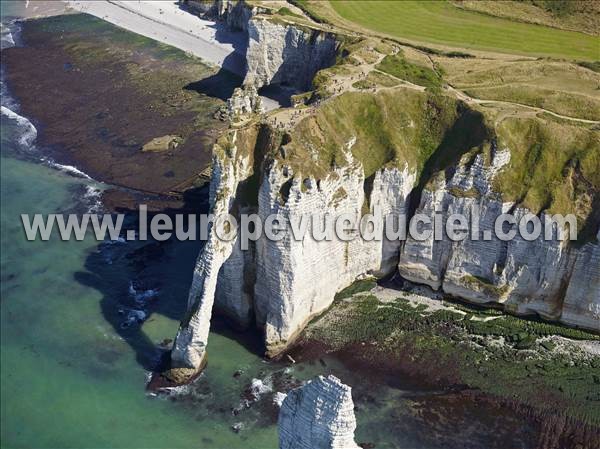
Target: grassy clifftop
(440, 22)
(391, 127)
(555, 165)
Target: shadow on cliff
(220, 85)
(467, 132)
(154, 278)
(233, 70)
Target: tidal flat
(544, 371)
(101, 96)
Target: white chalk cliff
(282, 284)
(189, 347)
(526, 277)
(279, 285)
(297, 279)
(277, 52)
(318, 415)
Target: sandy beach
(166, 22)
(163, 21)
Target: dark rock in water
(134, 316)
(166, 342)
(237, 427)
(180, 375)
(238, 373)
(7, 277)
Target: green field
(439, 22)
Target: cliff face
(229, 169)
(284, 54)
(526, 277)
(236, 14)
(399, 152)
(281, 284)
(319, 415)
(277, 52)
(581, 305)
(297, 279)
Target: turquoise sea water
(68, 378)
(73, 377)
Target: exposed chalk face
(318, 415)
(549, 278)
(282, 284)
(189, 348)
(581, 306)
(277, 53)
(297, 279)
(287, 55)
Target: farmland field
(440, 22)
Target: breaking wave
(28, 131)
(69, 169)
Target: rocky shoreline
(142, 91)
(550, 383)
(158, 108)
(551, 428)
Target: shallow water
(72, 376)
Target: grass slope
(575, 15)
(440, 22)
(399, 67)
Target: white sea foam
(188, 391)
(74, 171)
(92, 197)
(278, 398)
(258, 387)
(7, 38)
(29, 132)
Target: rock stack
(318, 415)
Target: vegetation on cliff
(391, 128)
(554, 166)
(528, 361)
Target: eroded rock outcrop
(525, 276)
(244, 102)
(230, 167)
(298, 278)
(318, 415)
(280, 53)
(581, 306)
(331, 165)
(233, 12)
